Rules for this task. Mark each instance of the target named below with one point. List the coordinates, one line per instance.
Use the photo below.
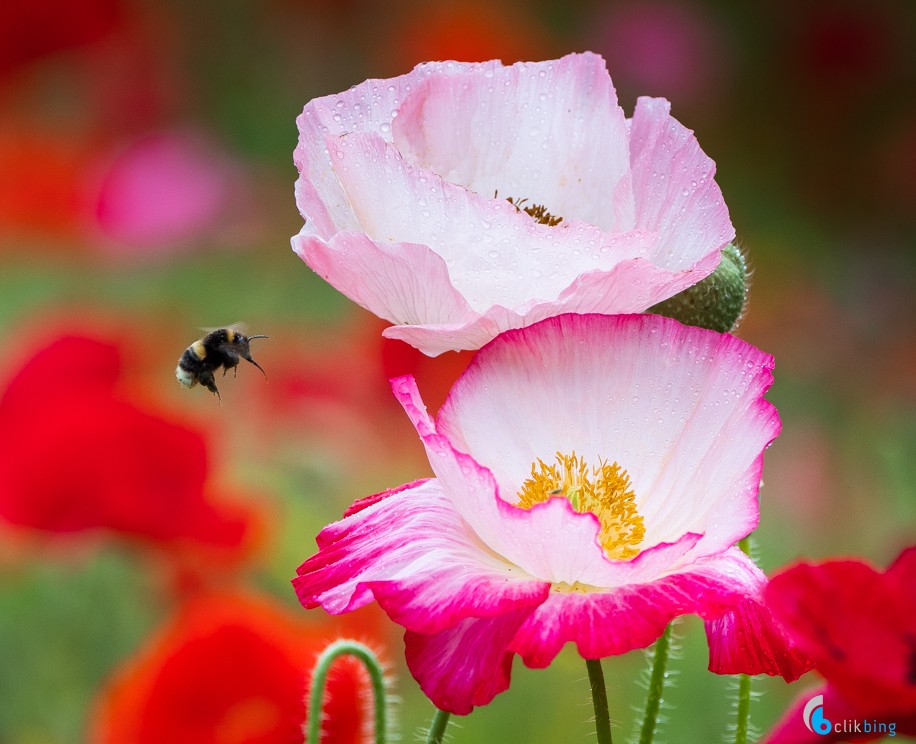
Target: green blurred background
(146, 189)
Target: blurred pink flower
(663, 47)
(404, 186)
(859, 627)
(658, 430)
(164, 191)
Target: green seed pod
(718, 302)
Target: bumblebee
(223, 347)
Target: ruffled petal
(550, 541)
(633, 616)
(747, 640)
(857, 624)
(631, 286)
(791, 729)
(903, 569)
(495, 253)
(435, 339)
(551, 132)
(676, 195)
(415, 556)
(680, 408)
(370, 106)
(468, 664)
(400, 282)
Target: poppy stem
(657, 678)
(743, 709)
(323, 665)
(437, 727)
(599, 698)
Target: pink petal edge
(412, 553)
(619, 620)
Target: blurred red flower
(322, 384)
(75, 454)
(41, 187)
(859, 627)
(230, 669)
(30, 30)
(466, 31)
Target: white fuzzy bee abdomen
(184, 377)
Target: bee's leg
(206, 378)
(232, 364)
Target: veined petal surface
(475, 578)
(428, 160)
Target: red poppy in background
(324, 382)
(859, 627)
(41, 187)
(231, 669)
(30, 30)
(77, 455)
(466, 31)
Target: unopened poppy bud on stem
(718, 302)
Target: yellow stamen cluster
(605, 491)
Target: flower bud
(718, 302)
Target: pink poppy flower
(859, 627)
(593, 474)
(405, 186)
(164, 192)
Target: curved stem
(320, 678)
(599, 698)
(438, 726)
(656, 687)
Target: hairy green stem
(744, 709)
(743, 712)
(656, 687)
(437, 727)
(319, 681)
(599, 698)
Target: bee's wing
(239, 327)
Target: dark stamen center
(537, 211)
